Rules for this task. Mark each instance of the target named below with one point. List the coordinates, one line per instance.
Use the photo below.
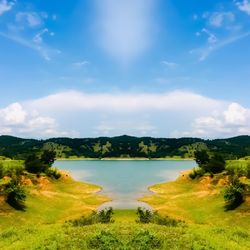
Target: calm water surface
(124, 181)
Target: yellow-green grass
(65, 236)
(51, 201)
(197, 201)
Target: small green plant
(234, 194)
(104, 241)
(15, 195)
(165, 221)
(196, 173)
(145, 240)
(144, 215)
(53, 173)
(85, 220)
(105, 215)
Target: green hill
(124, 146)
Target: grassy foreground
(51, 203)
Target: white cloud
(80, 64)
(214, 44)
(73, 100)
(218, 19)
(212, 39)
(32, 19)
(170, 65)
(125, 27)
(15, 120)
(36, 44)
(5, 6)
(13, 114)
(244, 6)
(160, 115)
(235, 120)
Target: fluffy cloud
(90, 115)
(74, 100)
(5, 6)
(244, 6)
(125, 27)
(15, 120)
(235, 120)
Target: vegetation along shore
(43, 208)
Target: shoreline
(125, 159)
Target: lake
(124, 181)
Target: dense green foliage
(234, 194)
(124, 146)
(146, 216)
(103, 216)
(213, 164)
(15, 194)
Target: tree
(15, 194)
(201, 157)
(34, 165)
(215, 165)
(48, 157)
(234, 194)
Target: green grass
(198, 203)
(125, 229)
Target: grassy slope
(207, 225)
(53, 201)
(199, 201)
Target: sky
(90, 68)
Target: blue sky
(165, 68)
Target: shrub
(144, 215)
(196, 173)
(239, 169)
(165, 221)
(48, 157)
(105, 215)
(234, 194)
(13, 169)
(34, 165)
(53, 173)
(145, 241)
(85, 220)
(15, 195)
(104, 241)
(215, 165)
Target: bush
(85, 220)
(53, 173)
(145, 241)
(144, 215)
(165, 221)
(234, 194)
(48, 157)
(15, 195)
(196, 173)
(104, 241)
(239, 169)
(34, 165)
(13, 169)
(215, 165)
(105, 215)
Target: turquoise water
(124, 181)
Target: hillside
(124, 146)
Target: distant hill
(124, 146)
